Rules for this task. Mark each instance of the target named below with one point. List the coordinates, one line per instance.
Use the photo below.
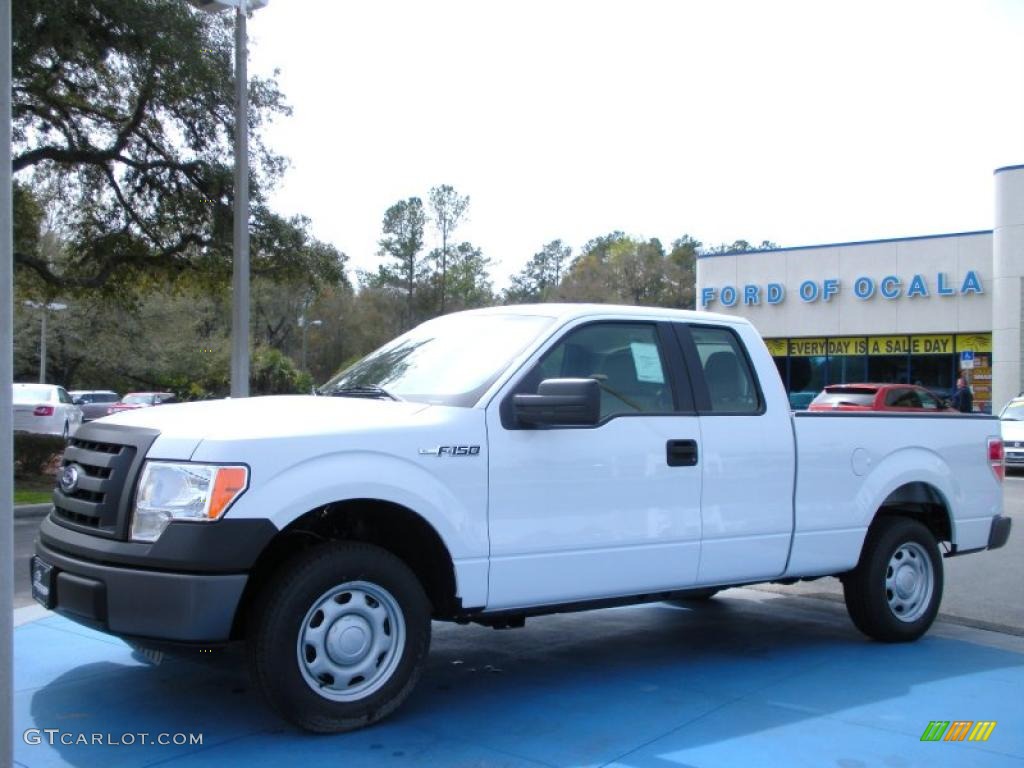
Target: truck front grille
(108, 459)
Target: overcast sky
(797, 122)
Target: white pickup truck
(492, 465)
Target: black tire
(875, 608)
(282, 609)
(691, 596)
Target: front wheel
(893, 594)
(339, 638)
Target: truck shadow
(643, 686)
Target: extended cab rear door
(747, 453)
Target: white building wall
(845, 314)
(1008, 286)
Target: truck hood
(256, 418)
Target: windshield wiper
(366, 390)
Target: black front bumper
(129, 602)
(184, 588)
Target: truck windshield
(1013, 412)
(451, 360)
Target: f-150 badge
(451, 450)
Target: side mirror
(561, 402)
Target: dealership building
(916, 310)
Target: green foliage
(739, 246)
(123, 121)
(540, 278)
(449, 209)
(28, 219)
(466, 282)
(619, 269)
(273, 373)
(26, 496)
(402, 242)
(35, 454)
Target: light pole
(6, 397)
(304, 325)
(240, 260)
(47, 308)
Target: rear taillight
(43, 410)
(997, 458)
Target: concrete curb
(31, 510)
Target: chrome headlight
(181, 491)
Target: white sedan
(45, 409)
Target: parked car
(879, 397)
(1011, 418)
(493, 465)
(45, 409)
(135, 400)
(95, 403)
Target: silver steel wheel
(909, 582)
(351, 641)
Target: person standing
(962, 399)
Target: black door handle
(681, 453)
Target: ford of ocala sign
(864, 288)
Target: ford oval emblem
(69, 478)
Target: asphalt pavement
(24, 535)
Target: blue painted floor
(749, 679)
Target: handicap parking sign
(967, 359)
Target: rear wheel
(338, 639)
(893, 594)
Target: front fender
(333, 477)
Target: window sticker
(647, 362)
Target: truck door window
(625, 358)
(730, 384)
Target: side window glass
(928, 402)
(626, 360)
(726, 372)
(63, 396)
(903, 398)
